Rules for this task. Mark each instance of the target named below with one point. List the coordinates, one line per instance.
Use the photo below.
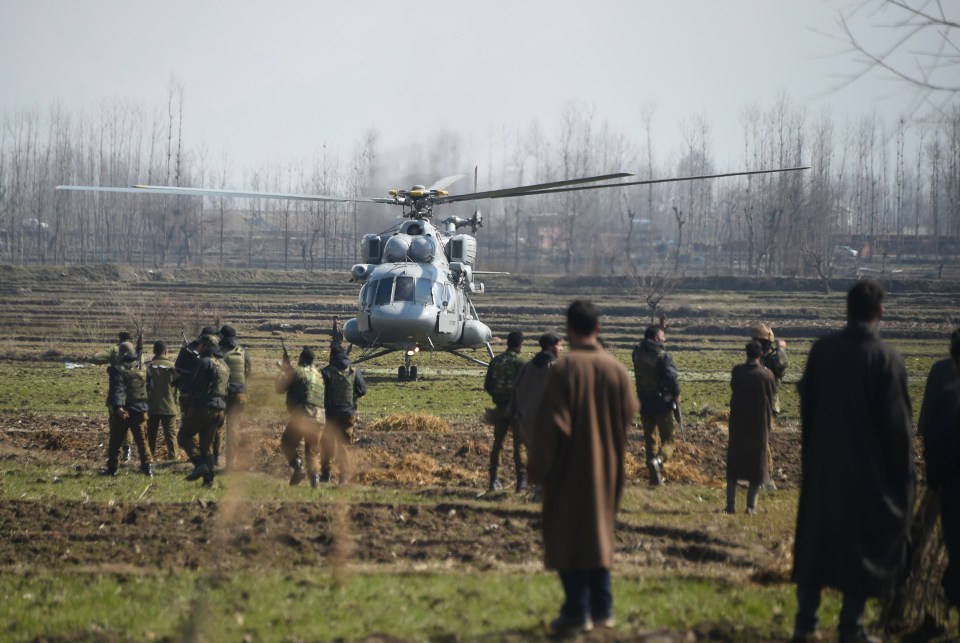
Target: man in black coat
(941, 451)
(857, 460)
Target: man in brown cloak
(578, 453)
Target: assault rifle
(678, 416)
(140, 345)
(286, 356)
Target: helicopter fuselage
(413, 297)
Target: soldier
(111, 356)
(208, 391)
(579, 445)
(163, 400)
(751, 415)
(942, 374)
(658, 387)
(238, 361)
(858, 472)
(501, 377)
(528, 391)
(774, 358)
(342, 385)
(303, 386)
(127, 399)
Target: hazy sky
(274, 80)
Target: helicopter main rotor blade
(446, 181)
(673, 180)
(527, 189)
(247, 194)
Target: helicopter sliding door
(446, 299)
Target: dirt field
(448, 470)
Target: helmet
(761, 331)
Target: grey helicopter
(417, 279)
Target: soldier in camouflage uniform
(499, 384)
(774, 358)
(342, 385)
(208, 391)
(111, 356)
(238, 361)
(127, 399)
(163, 400)
(303, 387)
(658, 387)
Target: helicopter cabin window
(424, 291)
(404, 290)
(384, 290)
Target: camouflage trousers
(154, 422)
(134, 424)
(302, 426)
(227, 439)
(333, 444)
(196, 434)
(502, 424)
(658, 435)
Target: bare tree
(923, 52)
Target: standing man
(528, 391)
(111, 356)
(857, 462)
(579, 443)
(207, 392)
(941, 451)
(127, 400)
(942, 374)
(342, 385)
(658, 387)
(163, 400)
(774, 358)
(499, 383)
(238, 361)
(303, 387)
(751, 416)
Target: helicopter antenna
(477, 220)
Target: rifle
(678, 416)
(286, 355)
(183, 336)
(140, 345)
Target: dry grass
(410, 422)
(378, 466)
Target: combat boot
(521, 483)
(147, 470)
(495, 484)
(325, 475)
(199, 471)
(298, 475)
(655, 468)
(107, 471)
(315, 480)
(208, 477)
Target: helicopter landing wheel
(402, 374)
(414, 376)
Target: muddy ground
(454, 522)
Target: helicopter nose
(402, 322)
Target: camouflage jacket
(162, 393)
(502, 376)
(776, 360)
(658, 382)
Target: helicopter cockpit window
(384, 289)
(424, 291)
(371, 293)
(362, 297)
(405, 288)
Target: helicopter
(417, 279)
